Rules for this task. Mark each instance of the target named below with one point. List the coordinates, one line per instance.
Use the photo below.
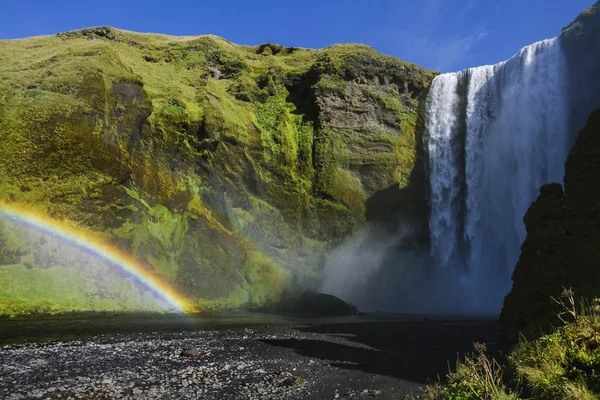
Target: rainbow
(100, 248)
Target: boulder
(310, 302)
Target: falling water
(495, 135)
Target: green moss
(193, 152)
(237, 297)
(157, 237)
(48, 275)
(61, 289)
(266, 280)
(331, 85)
(265, 225)
(245, 88)
(284, 135)
(406, 118)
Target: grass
(564, 364)
(64, 289)
(478, 377)
(43, 274)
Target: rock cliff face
(561, 249)
(581, 46)
(228, 170)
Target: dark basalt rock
(563, 230)
(96, 32)
(561, 249)
(551, 191)
(310, 302)
(581, 46)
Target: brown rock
(190, 352)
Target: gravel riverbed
(373, 360)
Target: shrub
(479, 377)
(566, 363)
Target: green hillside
(228, 170)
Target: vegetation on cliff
(563, 364)
(228, 170)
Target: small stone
(190, 352)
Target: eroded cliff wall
(228, 170)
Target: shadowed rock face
(561, 249)
(226, 169)
(581, 46)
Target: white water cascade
(495, 135)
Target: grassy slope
(197, 155)
(562, 364)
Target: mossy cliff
(228, 170)
(562, 246)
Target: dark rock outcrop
(314, 303)
(581, 46)
(562, 249)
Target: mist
(64, 276)
(379, 270)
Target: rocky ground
(382, 360)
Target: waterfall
(495, 135)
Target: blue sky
(445, 35)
